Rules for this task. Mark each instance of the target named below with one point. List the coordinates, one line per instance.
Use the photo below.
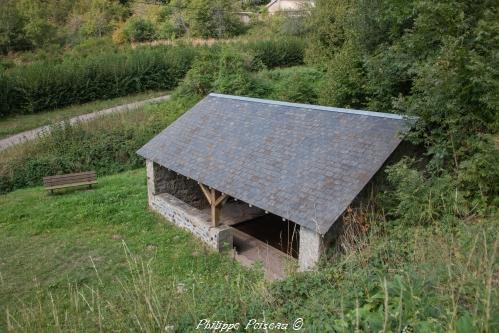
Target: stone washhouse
(268, 179)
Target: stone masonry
(178, 206)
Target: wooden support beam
(215, 209)
(220, 199)
(206, 193)
(215, 203)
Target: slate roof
(302, 162)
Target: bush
(224, 70)
(295, 84)
(45, 86)
(283, 52)
(417, 200)
(138, 29)
(479, 174)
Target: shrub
(479, 174)
(200, 78)
(234, 76)
(224, 70)
(417, 200)
(283, 52)
(45, 86)
(295, 84)
(138, 29)
(213, 18)
(344, 83)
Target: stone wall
(179, 211)
(194, 220)
(187, 190)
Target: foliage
(107, 145)
(223, 70)
(12, 35)
(479, 174)
(97, 18)
(207, 18)
(344, 83)
(422, 279)
(434, 60)
(234, 75)
(44, 86)
(31, 24)
(230, 69)
(293, 84)
(281, 52)
(421, 201)
(199, 79)
(138, 29)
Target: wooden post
(215, 203)
(215, 209)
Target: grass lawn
(98, 260)
(19, 123)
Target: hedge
(44, 86)
(47, 85)
(283, 52)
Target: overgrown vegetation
(14, 124)
(434, 60)
(419, 254)
(53, 26)
(107, 145)
(98, 260)
(48, 85)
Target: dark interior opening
(271, 229)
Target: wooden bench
(69, 180)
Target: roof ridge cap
(310, 106)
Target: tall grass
(456, 296)
(106, 145)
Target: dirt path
(35, 133)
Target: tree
(437, 60)
(12, 35)
(213, 18)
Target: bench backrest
(70, 178)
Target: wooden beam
(220, 199)
(215, 203)
(206, 193)
(215, 209)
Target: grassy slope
(19, 123)
(435, 279)
(48, 243)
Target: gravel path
(37, 132)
